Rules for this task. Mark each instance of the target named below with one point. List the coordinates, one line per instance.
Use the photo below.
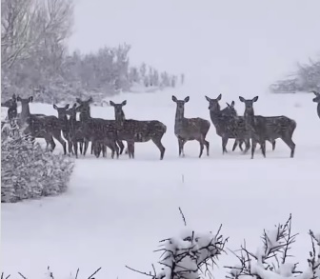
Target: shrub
(28, 171)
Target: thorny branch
(276, 245)
(182, 258)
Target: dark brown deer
(268, 128)
(317, 100)
(99, 131)
(187, 129)
(40, 126)
(132, 131)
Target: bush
(28, 171)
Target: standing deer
(230, 110)
(85, 114)
(268, 128)
(227, 126)
(40, 126)
(317, 100)
(132, 131)
(187, 129)
(63, 117)
(99, 131)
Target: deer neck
(120, 118)
(179, 116)
(249, 116)
(25, 112)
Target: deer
(12, 106)
(317, 100)
(227, 126)
(132, 131)
(187, 129)
(63, 117)
(268, 128)
(230, 110)
(40, 126)
(100, 131)
(85, 114)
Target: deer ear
(219, 97)
(174, 98)
(255, 99)
(241, 99)
(124, 103)
(111, 103)
(54, 106)
(18, 99)
(74, 105)
(187, 99)
(30, 99)
(90, 100)
(66, 106)
(79, 101)
(14, 97)
(207, 98)
(233, 103)
(316, 93)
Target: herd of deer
(104, 133)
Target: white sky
(218, 42)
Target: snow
(116, 211)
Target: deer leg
(180, 146)
(263, 147)
(93, 146)
(288, 141)
(159, 144)
(253, 147)
(201, 146)
(114, 147)
(224, 145)
(236, 144)
(81, 147)
(86, 143)
(247, 144)
(131, 150)
(207, 144)
(75, 147)
(57, 136)
(121, 146)
(273, 142)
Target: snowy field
(116, 211)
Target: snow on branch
(188, 255)
(270, 261)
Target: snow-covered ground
(116, 211)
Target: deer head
(62, 112)
(180, 105)
(214, 105)
(118, 111)
(248, 103)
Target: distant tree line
(305, 79)
(35, 60)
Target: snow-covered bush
(270, 261)
(188, 255)
(28, 171)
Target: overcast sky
(213, 41)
